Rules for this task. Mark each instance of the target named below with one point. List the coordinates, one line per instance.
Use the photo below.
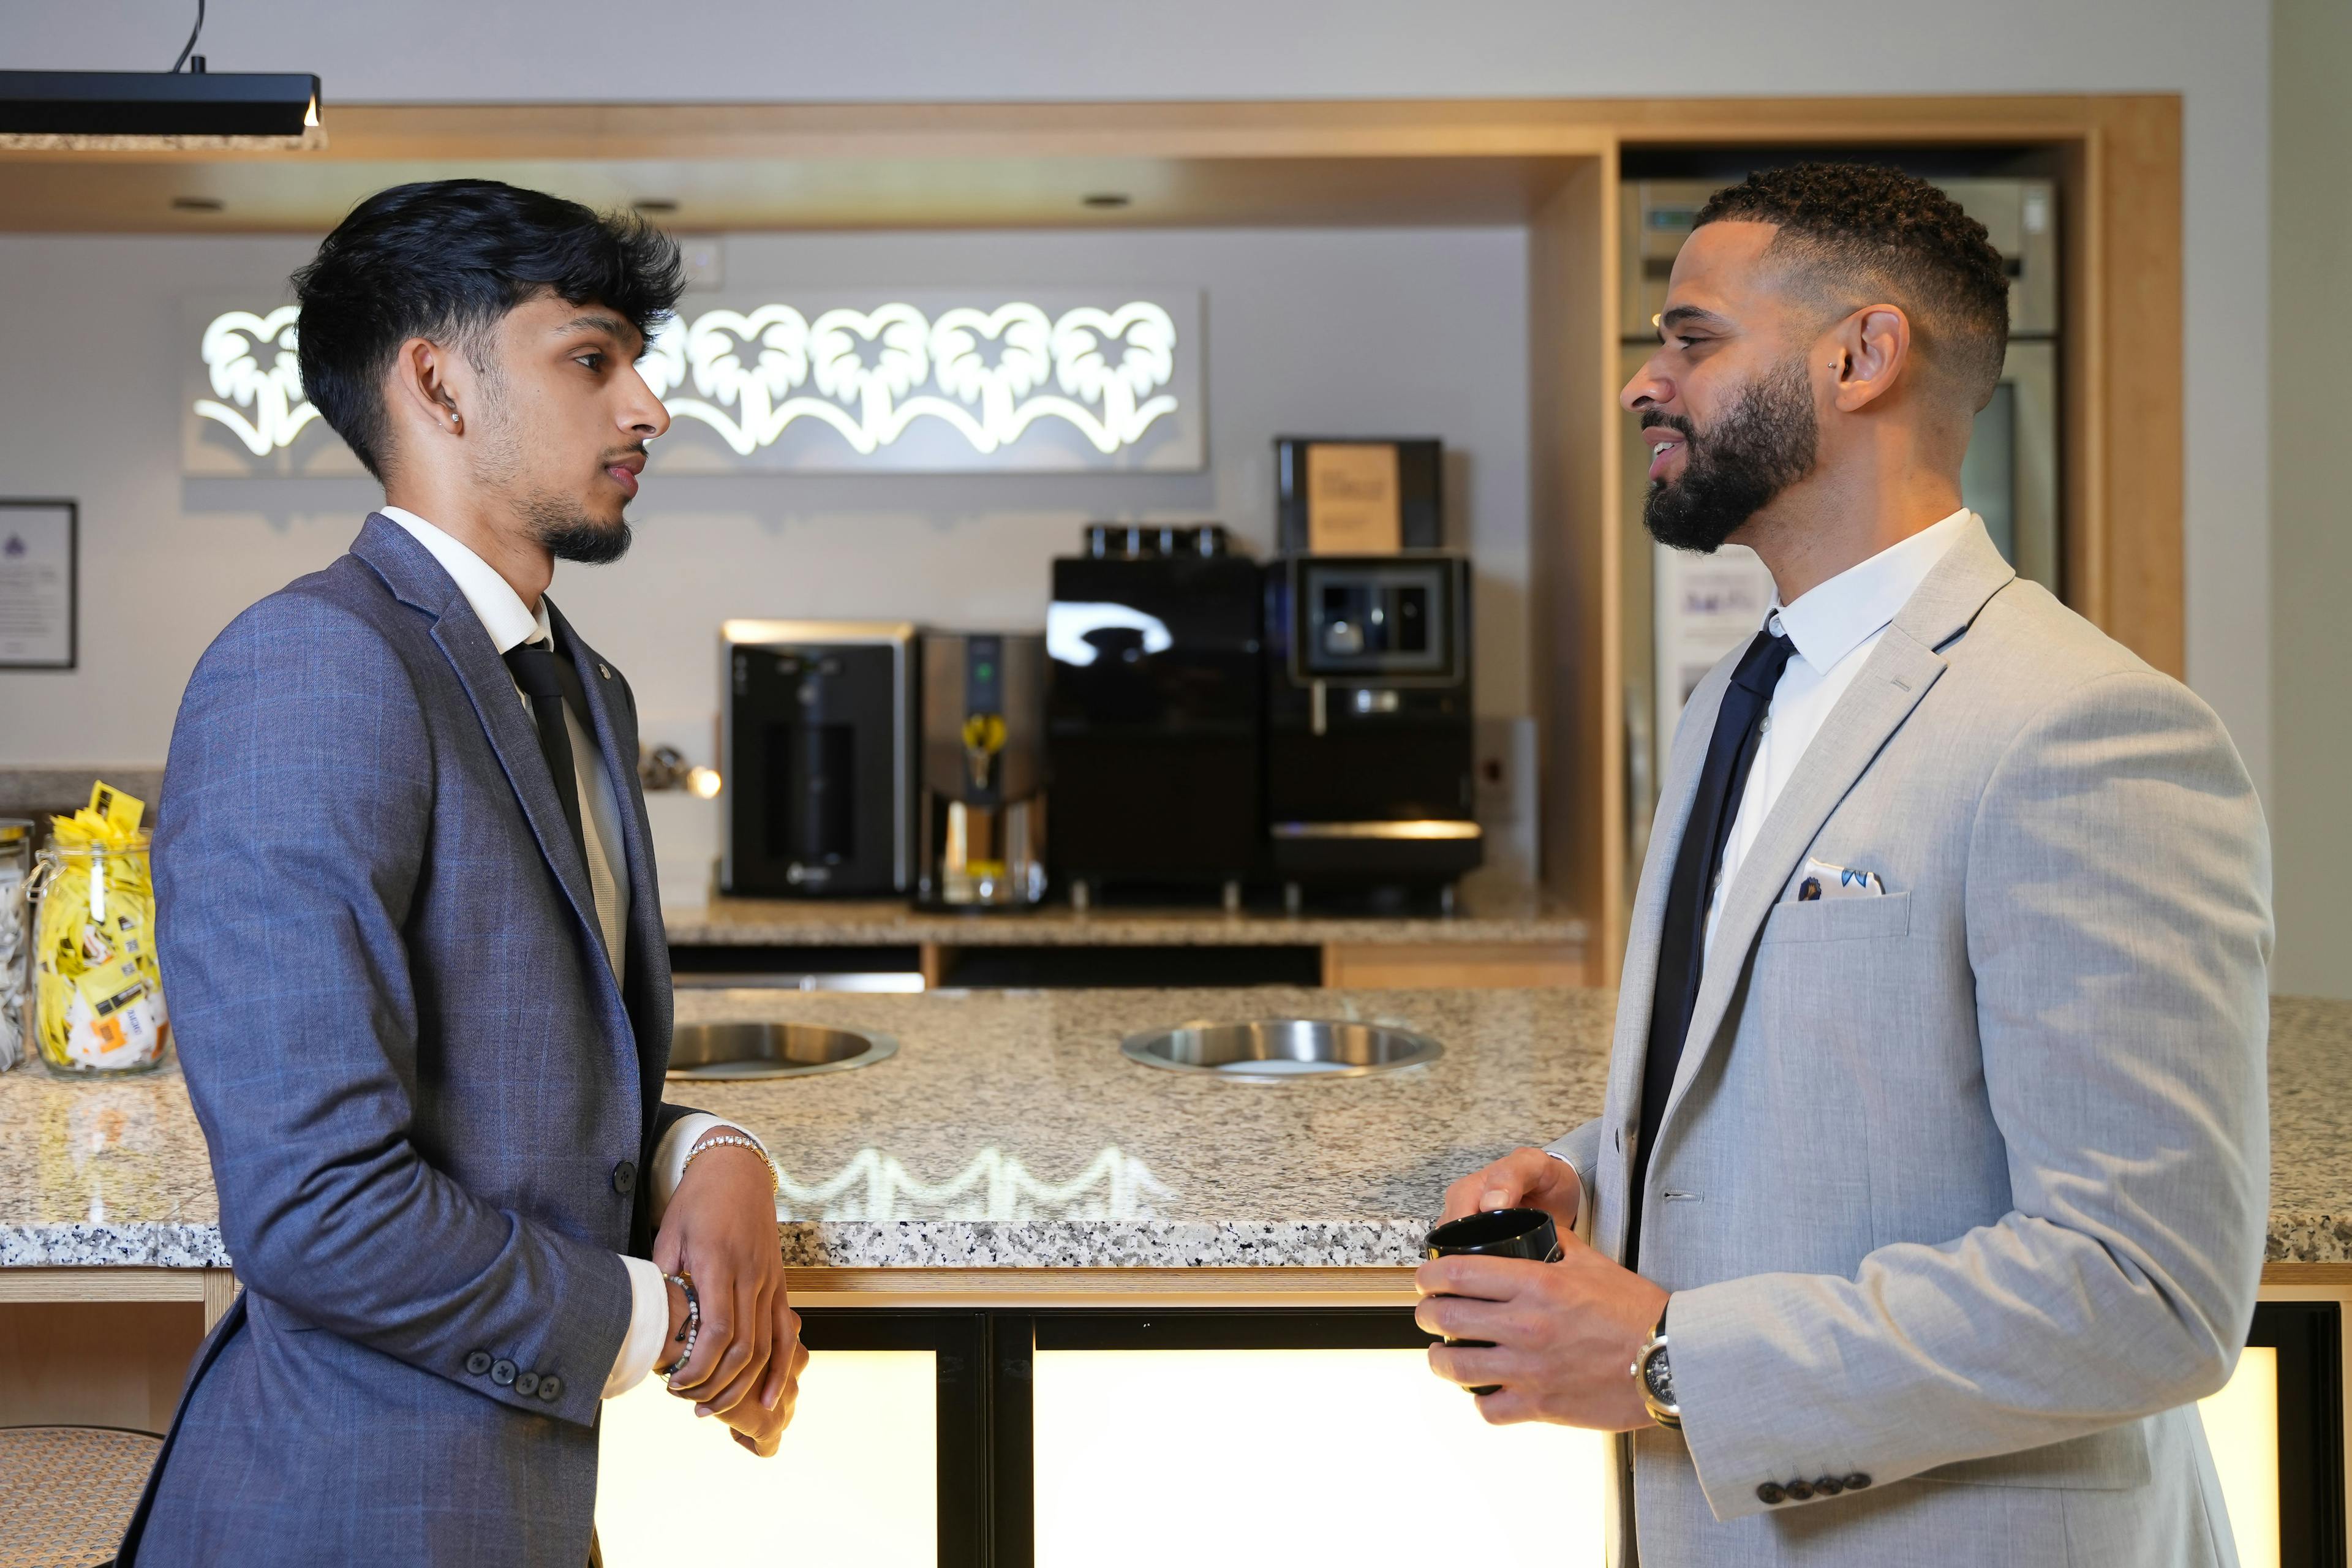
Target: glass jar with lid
(98, 993)
(16, 869)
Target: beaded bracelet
(722, 1140)
(687, 1335)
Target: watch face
(1660, 1377)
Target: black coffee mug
(1495, 1233)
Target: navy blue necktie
(551, 684)
(1682, 943)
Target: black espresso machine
(1155, 715)
(1214, 723)
(1370, 726)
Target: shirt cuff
(641, 1347)
(670, 1153)
(1582, 1224)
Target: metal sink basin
(772, 1050)
(1282, 1050)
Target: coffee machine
(981, 815)
(1154, 714)
(1370, 726)
(816, 738)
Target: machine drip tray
(772, 1050)
(1282, 1050)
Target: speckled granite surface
(2311, 1131)
(1009, 1132)
(1483, 917)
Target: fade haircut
(1862, 233)
(445, 260)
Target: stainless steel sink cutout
(772, 1050)
(1282, 1050)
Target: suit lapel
(1892, 680)
(412, 573)
(1637, 983)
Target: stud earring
(456, 424)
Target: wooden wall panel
(1574, 573)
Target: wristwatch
(1655, 1376)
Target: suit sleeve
(2118, 928)
(289, 851)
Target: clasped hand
(1562, 1336)
(719, 1230)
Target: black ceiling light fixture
(159, 110)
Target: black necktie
(550, 683)
(1682, 943)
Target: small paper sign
(1354, 505)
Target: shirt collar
(1837, 616)
(500, 608)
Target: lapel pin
(602, 670)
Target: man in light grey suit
(1929, 1188)
(408, 922)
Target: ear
(430, 386)
(1867, 354)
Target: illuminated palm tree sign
(867, 374)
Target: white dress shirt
(513, 624)
(1834, 626)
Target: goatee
(1762, 445)
(571, 537)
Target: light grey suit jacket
(1962, 1188)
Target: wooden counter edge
(1382, 1286)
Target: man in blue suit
(410, 930)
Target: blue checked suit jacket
(419, 1078)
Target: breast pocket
(1838, 919)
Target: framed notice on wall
(38, 584)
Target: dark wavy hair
(1866, 232)
(446, 259)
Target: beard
(571, 537)
(1762, 445)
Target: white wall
(2311, 273)
(2215, 52)
(1319, 332)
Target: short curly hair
(1865, 231)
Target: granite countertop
(1009, 1132)
(1482, 915)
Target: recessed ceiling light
(197, 203)
(655, 205)
(1107, 199)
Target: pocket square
(1823, 880)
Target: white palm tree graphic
(838, 346)
(232, 355)
(1024, 358)
(1085, 370)
(712, 352)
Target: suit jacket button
(1801, 1489)
(1856, 1481)
(551, 1388)
(625, 1178)
(502, 1373)
(526, 1384)
(1828, 1486)
(478, 1363)
(1769, 1492)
